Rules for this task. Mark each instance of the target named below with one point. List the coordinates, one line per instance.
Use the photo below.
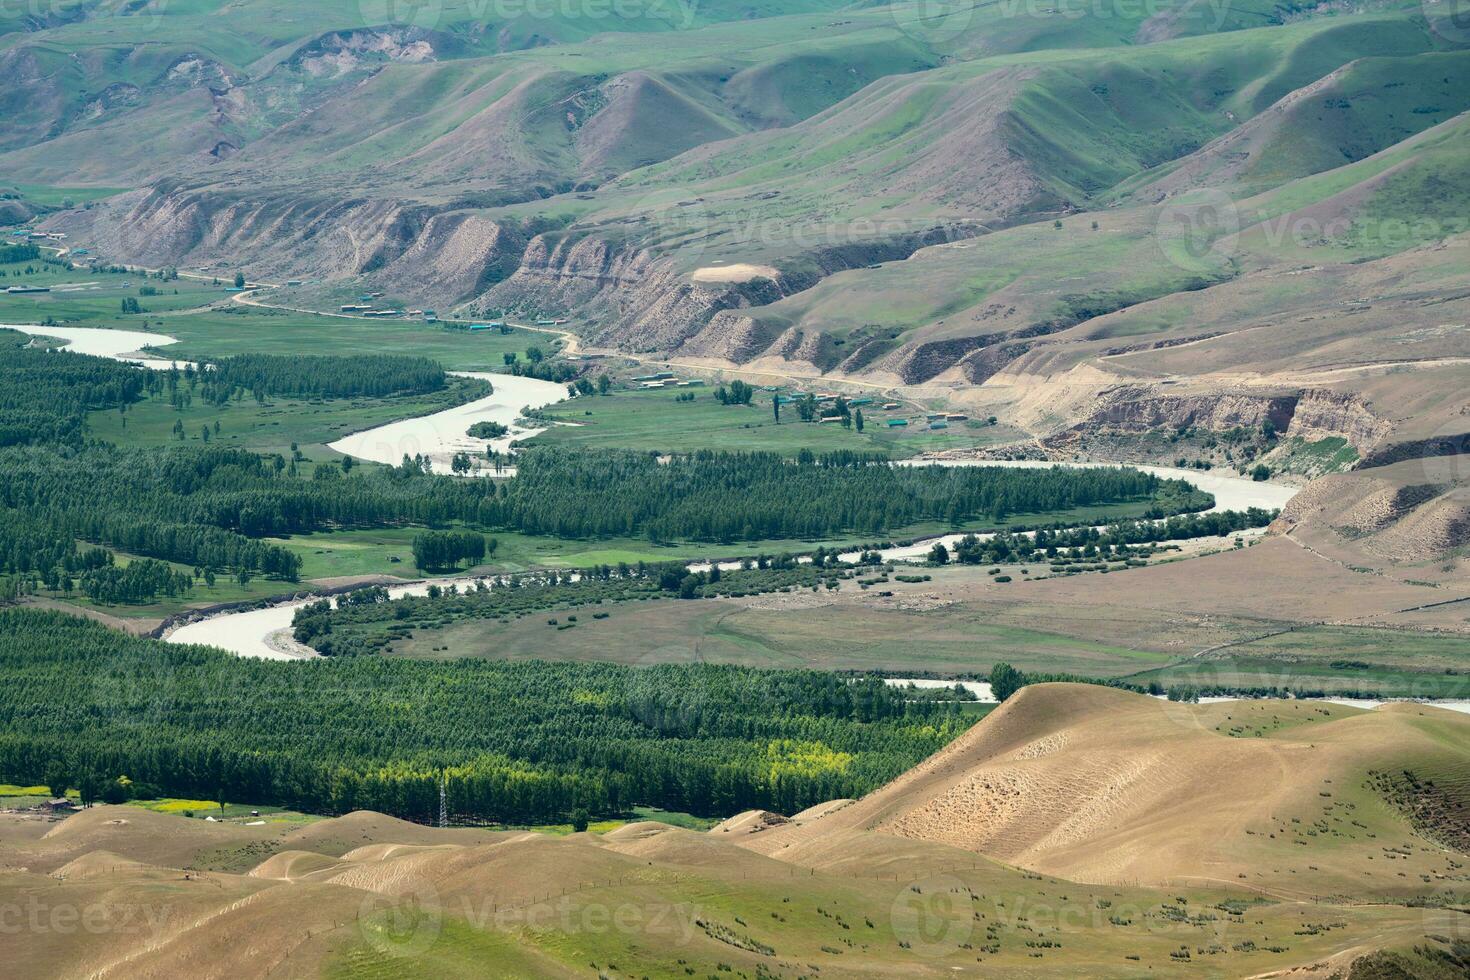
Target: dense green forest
(728, 496)
(45, 395)
(519, 742)
(199, 507)
(446, 549)
(352, 376)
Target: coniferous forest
(212, 507)
(520, 742)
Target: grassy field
(1376, 662)
(799, 630)
(243, 329)
(269, 427)
(207, 324)
(83, 297)
(958, 625)
(51, 196)
(655, 420)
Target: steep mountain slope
(1362, 108)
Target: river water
(259, 632)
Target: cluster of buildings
(666, 379)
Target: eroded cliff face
(1137, 409)
(1323, 414)
(1125, 414)
(307, 236)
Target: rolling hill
(1077, 830)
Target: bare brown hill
(1112, 787)
(1289, 837)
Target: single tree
(1005, 680)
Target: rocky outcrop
(1323, 414)
(340, 52)
(1309, 415)
(1145, 408)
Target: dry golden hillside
(1077, 831)
(1105, 786)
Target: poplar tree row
(527, 742)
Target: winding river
(264, 632)
(443, 434)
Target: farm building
(956, 417)
(890, 406)
(831, 418)
(934, 416)
(894, 423)
(293, 282)
(486, 326)
(29, 289)
(938, 425)
(354, 308)
(861, 401)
